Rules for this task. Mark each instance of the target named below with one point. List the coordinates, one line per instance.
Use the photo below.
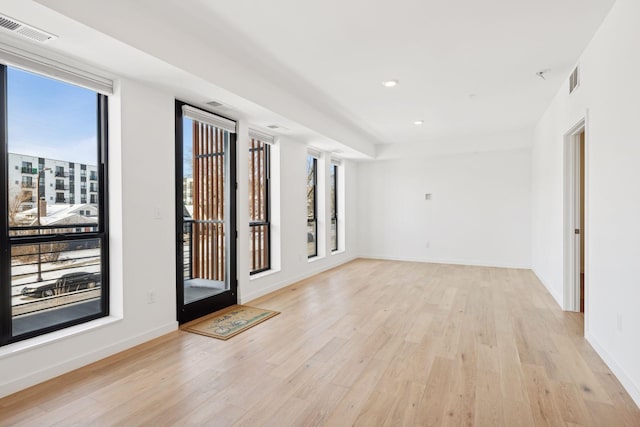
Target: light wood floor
(371, 343)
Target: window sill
(263, 274)
(315, 258)
(337, 252)
(42, 340)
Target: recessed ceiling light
(389, 83)
(418, 122)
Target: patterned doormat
(229, 322)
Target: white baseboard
(81, 360)
(618, 371)
(250, 296)
(448, 261)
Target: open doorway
(575, 224)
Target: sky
(51, 119)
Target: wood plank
(372, 343)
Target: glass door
(205, 212)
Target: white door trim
(571, 297)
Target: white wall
(142, 185)
(608, 96)
(479, 212)
(142, 254)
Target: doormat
(229, 322)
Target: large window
(334, 206)
(53, 262)
(259, 224)
(312, 206)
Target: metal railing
(48, 276)
(187, 242)
(204, 249)
(259, 245)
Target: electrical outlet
(151, 296)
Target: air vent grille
(25, 30)
(574, 80)
(215, 104)
(9, 24)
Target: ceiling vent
(27, 31)
(574, 80)
(273, 127)
(215, 104)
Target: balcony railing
(204, 249)
(27, 185)
(62, 174)
(187, 242)
(61, 200)
(31, 171)
(312, 243)
(50, 281)
(62, 187)
(93, 177)
(259, 254)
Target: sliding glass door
(205, 212)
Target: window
(27, 182)
(259, 225)
(27, 167)
(54, 272)
(312, 220)
(334, 206)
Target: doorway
(205, 212)
(575, 223)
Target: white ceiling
(317, 67)
(465, 66)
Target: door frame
(217, 302)
(571, 268)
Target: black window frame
(334, 211)
(314, 218)
(266, 148)
(101, 232)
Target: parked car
(70, 282)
